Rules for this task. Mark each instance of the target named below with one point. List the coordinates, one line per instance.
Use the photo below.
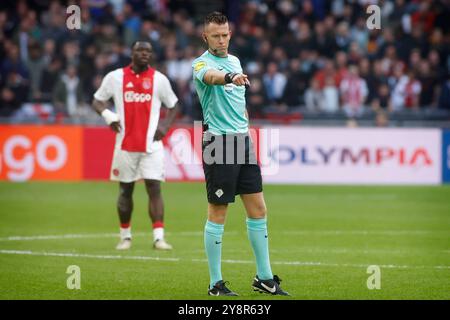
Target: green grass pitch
(322, 239)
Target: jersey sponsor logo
(42, 153)
(131, 96)
(368, 155)
(229, 87)
(199, 65)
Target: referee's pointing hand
(241, 80)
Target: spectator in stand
(330, 96)
(328, 71)
(35, 65)
(406, 93)
(314, 99)
(360, 33)
(12, 63)
(322, 41)
(274, 84)
(68, 94)
(13, 94)
(412, 91)
(256, 99)
(300, 39)
(343, 38)
(9, 101)
(366, 73)
(296, 85)
(398, 72)
(353, 91)
(428, 82)
(382, 99)
(50, 77)
(341, 67)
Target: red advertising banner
(85, 153)
(98, 147)
(40, 153)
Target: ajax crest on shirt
(146, 83)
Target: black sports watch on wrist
(229, 77)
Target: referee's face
(217, 36)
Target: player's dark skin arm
(99, 106)
(165, 125)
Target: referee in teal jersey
(229, 162)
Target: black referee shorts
(230, 167)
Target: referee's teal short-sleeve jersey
(223, 105)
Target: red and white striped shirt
(354, 90)
(137, 99)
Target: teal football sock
(213, 247)
(257, 234)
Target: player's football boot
(270, 286)
(161, 244)
(124, 244)
(220, 289)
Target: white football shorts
(132, 166)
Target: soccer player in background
(138, 91)
(221, 86)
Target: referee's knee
(258, 212)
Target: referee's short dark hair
(215, 17)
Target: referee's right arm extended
(216, 77)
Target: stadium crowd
(315, 56)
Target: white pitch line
(94, 236)
(83, 255)
(332, 251)
(200, 233)
(287, 263)
(362, 232)
(58, 237)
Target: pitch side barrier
(287, 155)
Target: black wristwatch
(229, 77)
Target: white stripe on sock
(125, 233)
(158, 234)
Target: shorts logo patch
(116, 172)
(219, 193)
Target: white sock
(158, 234)
(125, 233)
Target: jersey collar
(143, 71)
